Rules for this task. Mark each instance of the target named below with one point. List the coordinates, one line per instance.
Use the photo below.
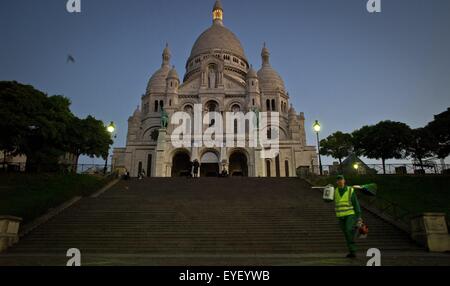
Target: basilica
(219, 77)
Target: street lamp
(111, 128)
(316, 128)
(356, 167)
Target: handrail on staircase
(389, 209)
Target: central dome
(217, 37)
(219, 42)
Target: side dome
(173, 74)
(157, 83)
(251, 73)
(269, 79)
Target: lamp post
(356, 167)
(111, 128)
(316, 128)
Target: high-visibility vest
(344, 206)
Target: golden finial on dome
(218, 12)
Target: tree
(385, 140)
(88, 137)
(421, 145)
(440, 129)
(43, 128)
(338, 145)
(31, 123)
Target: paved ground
(209, 221)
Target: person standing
(141, 175)
(348, 212)
(126, 176)
(196, 166)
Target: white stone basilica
(219, 77)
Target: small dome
(251, 73)
(292, 111)
(173, 74)
(268, 77)
(157, 82)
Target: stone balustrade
(430, 230)
(9, 231)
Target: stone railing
(431, 231)
(9, 231)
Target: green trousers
(347, 224)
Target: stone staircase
(206, 216)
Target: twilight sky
(341, 65)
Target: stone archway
(238, 164)
(209, 164)
(181, 164)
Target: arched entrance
(238, 166)
(209, 165)
(181, 164)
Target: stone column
(430, 230)
(9, 231)
(160, 170)
(194, 154)
(259, 163)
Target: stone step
(205, 216)
(232, 249)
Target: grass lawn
(31, 195)
(415, 193)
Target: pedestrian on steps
(141, 175)
(348, 212)
(195, 167)
(126, 176)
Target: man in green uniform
(348, 212)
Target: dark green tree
(385, 140)
(440, 129)
(43, 128)
(88, 137)
(422, 145)
(31, 123)
(338, 145)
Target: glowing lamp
(111, 128)
(316, 126)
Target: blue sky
(342, 65)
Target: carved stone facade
(219, 77)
